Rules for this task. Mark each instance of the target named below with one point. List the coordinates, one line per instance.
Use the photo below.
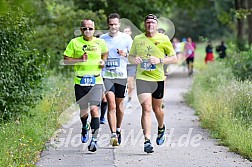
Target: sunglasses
(86, 28)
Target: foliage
(188, 16)
(22, 67)
(243, 13)
(25, 138)
(58, 26)
(225, 14)
(240, 100)
(240, 62)
(192, 19)
(224, 106)
(133, 10)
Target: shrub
(22, 67)
(240, 62)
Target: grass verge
(24, 138)
(224, 106)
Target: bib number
(112, 63)
(147, 66)
(87, 80)
(189, 52)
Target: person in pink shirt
(189, 50)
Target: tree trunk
(249, 3)
(240, 23)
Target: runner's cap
(151, 16)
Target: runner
(115, 75)
(148, 51)
(189, 51)
(88, 54)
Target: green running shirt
(94, 49)
(144, 47)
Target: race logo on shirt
(92, 48)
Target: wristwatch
(161, 60)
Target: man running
(115, 75)
(88, 54)
(150, 50)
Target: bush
(25, 138)
(22, 67)
(240, 62)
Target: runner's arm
(104, 57)
(134, 59)
(70, 60)
(170, 59)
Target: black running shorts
(88, 95)
(156, 88)
(117, 86)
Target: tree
(133, 10)
(240, 4)
(249, 3)
(243, 11)
(59, 22)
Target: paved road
(186, 144)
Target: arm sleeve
(169, 50)
(104, 47)
(69, 52)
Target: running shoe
(114, 140)
(148, 148)
(161, 136)
(102, 120)
(85, 133)
(93, 145)
(119, 137)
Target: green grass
(199, 62)
(24, 138)
(200, 55)
(224, 106)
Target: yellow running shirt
(94, 49)
(144, 47)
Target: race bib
(147, 66)
(87, 80)
(112, 63)
(189, 52)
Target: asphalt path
(187, 144)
